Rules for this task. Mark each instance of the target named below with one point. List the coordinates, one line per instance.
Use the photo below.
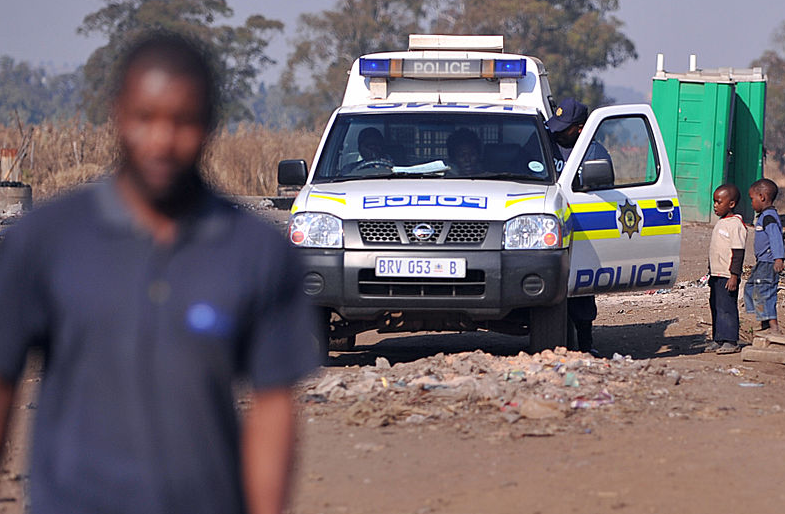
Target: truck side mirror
(596, 174)
(292, 172)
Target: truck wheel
(341, 344)
(547, 327)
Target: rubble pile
(551, 384)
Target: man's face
(371, 148)
(466, 157)
(162, 127)
(568, 136)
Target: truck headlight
(532, 232)
(316, 230)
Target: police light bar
(443, 68)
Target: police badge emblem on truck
(629, 218)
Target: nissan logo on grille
(423, 231)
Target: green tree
(773, 63)
(328, 43)
(33, 95)
(271, 111)
(575, 39)
(240, 50)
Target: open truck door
(623, 216)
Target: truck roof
(449, 69)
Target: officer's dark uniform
(582, 310)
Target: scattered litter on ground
(602, 398)
(551, 385)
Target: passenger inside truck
(463, 153)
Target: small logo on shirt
(203, 318)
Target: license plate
(420, 267)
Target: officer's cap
(569, 112)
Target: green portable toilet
(712, 124)
(746, 159)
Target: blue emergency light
(374, 67)
(513, 68)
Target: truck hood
(434, 199)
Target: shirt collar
(208, 220)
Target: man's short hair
(765, 187)
(463, 136)
(732, 190)
(176, 54)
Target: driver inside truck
(370, 145)
(463, 152)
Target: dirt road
(463, 423)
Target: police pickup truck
(434, 203)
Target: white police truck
(401, 229)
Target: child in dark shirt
(760, 292)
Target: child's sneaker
(728, 348)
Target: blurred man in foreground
(149, 295)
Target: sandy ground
(461, 423)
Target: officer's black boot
(583, 330)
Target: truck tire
(548, 327)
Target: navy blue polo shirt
(142, 346)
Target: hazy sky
(720, 32)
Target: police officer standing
(565, 126)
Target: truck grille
(458, 232)
(371, 285)
(379, 232)
(409, 227)
(467, 232)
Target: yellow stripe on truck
(518, 200)
(586, 235)
(323, 197)
(661, 231)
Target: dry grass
(61, 155)
(246, 161)
(68, 153)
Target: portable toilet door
(746, 163)
(694, 111)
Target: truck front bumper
(497, 282)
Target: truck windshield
(434, 145)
